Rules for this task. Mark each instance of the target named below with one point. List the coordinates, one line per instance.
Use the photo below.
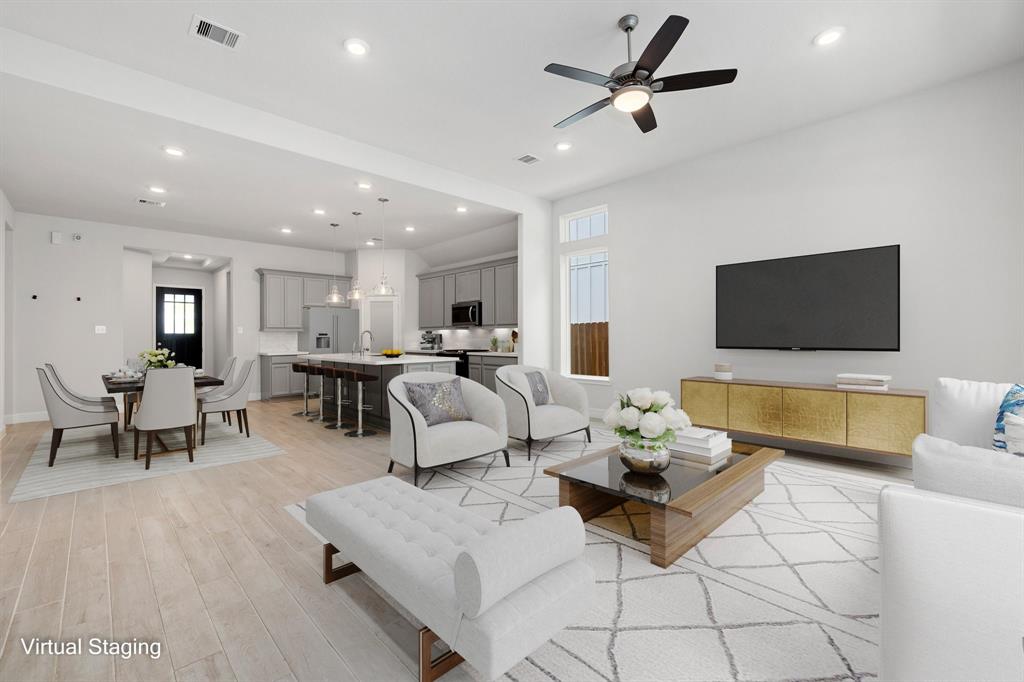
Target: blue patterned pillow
(1013, 403)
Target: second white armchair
(567, 410)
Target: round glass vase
(650, 458)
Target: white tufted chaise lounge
(493, 593)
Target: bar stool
(303, 369)
(317, 371)
(360, 378)
(339, 375)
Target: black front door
(179, 323)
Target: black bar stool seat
(303, 369)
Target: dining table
(126, 385)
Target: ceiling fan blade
(583, 113)
(661, 44)
(579, 74)
(697, 79)
(644, 118)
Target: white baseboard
(22, 417)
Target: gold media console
(874, 425)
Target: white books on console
(852, 377)
(863, 387)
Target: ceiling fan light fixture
(631, 98)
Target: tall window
(179, 314)
(584, 267)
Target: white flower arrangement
(157, 358)
(645, 418)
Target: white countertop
(494, 354)
(368, 359)
(275, 353)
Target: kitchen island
(375, 397)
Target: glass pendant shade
(334, 297)
(383, 288)
(355, 293)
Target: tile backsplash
(474, 337)
(276, 342)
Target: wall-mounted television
(845, 300)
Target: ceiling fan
(633, 84)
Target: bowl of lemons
(391, 353)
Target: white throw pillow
(964, 411)
(978, 473)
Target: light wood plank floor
(208, 563)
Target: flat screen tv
(846, 300)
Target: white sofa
(569, 411)
(952, 549)
(493, 593)
(417, 446)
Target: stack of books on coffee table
(701, 448)
(863, 382)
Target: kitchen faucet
(359, 342)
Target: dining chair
(234, 397)
(168, 402)
(226, 374)
(66, 412)
(59, 380)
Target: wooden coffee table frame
(686, 520)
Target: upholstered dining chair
(67, 412)
(229, 398)
(416, 445)
(565, 412)
(99, 400)
(168, 402)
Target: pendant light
(355, 293)
(382, 288)
(334, 297)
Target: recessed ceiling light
(563, 146)
(319, 211)
(356, 47)
(410, 228)
(286, 230)
(370, 242)
(187, 256)
(829, 36)
(174, 151)
(364, 185)
(461, 209)
(157, 190)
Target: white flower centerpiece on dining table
(646, 421)
(157, 358)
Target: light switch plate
(101, 329)
(239, 330)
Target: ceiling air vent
(528, 159)
(222, 35)
(154, 204)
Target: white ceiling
(460, 84)
(66, 154)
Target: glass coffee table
(686, 503)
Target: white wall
(477, 245)
(221, 318)
(939, 172)
(137, 301)
(191, 279)
(6, 319)
(56, 328)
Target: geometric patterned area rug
(786, 589)
(86, 459)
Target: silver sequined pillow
(539, 388)
(439, 401)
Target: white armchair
(952, 548)
(568, 412)
(418, 446)
(67, 412)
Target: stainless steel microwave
(466, 314)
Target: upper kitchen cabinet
(432, 307)
(467, 286)
(283, 294)
(506, 311)
(493, 284)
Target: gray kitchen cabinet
(281, 299)
(487, 296)
(281, 380)
(432, 309)
(467, 286)
(298, 380)
(293, 302)
(314, 291)
(277, 378)
(476, 373)
(444, 367)
(272, 298)
(482, 368)
(449, 298)
(506, 312)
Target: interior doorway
(179, 323)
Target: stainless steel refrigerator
(328, 330)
